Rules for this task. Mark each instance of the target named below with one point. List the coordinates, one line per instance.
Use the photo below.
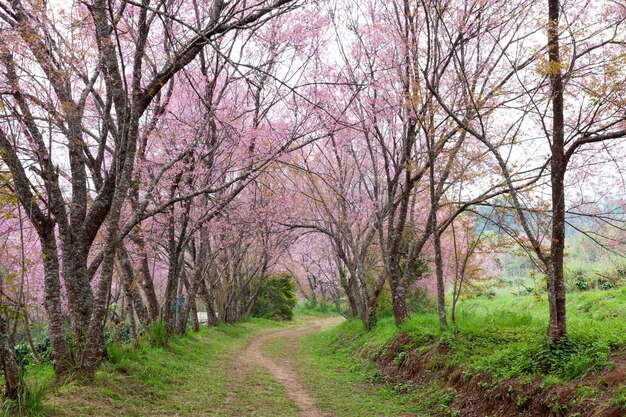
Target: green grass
(344, 385)
(620, 397)
(30, 400)
(188, 377)
(259, 396)
(318, 309)
(331, 369)
(505, 336)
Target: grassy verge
(347, 386)
(189, 377)
(343, 385)
(503, 338)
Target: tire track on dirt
(281, 371)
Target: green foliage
(506, 336)
(157, 335)
(569, 359)
(30, 399)
(419, 300)
(137, 378)
(119, 333)
(588, 277)
(620, 397)
(26, 356)
(276, 299)
(577, 279)
(309, 307)
(346, 385)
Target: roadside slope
(187, 378)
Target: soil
(281, 370)
(480, 395)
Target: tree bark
(10, 365)
(209, 302)
(135, 303)
(434, 228)
(61, 357)
(147, 285)
(398, 299)
(556, 289)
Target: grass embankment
(497, 348)
(188, 377)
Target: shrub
(276, 299)
(384, 307)
(577, 279)
(26, 356)
(605, 285)
(157, 334)
(29, 401)
(573, 357)
(420, 301)
(320, 308)
(582, 285)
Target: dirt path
(281, 370)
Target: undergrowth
(30, 399)
(506, 337)
(315, 308)
(138, 376)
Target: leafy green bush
(420, 301)
(605, 285)
(320, 308)
(157, 335)
(29, 401)
(276, 299)
(577, 279)
(26, 356)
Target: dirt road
(281, 370)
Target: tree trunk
(398, 298)
(95, 349)
(80, 299)
(211, 312)
(182, 299)
(130, 288)
(61, 358)
(441, 291)
(348, 287)
(147, 285)
(558, 163)
(170, 305)
(10, 365)
(195, 324)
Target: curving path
(282, 371)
